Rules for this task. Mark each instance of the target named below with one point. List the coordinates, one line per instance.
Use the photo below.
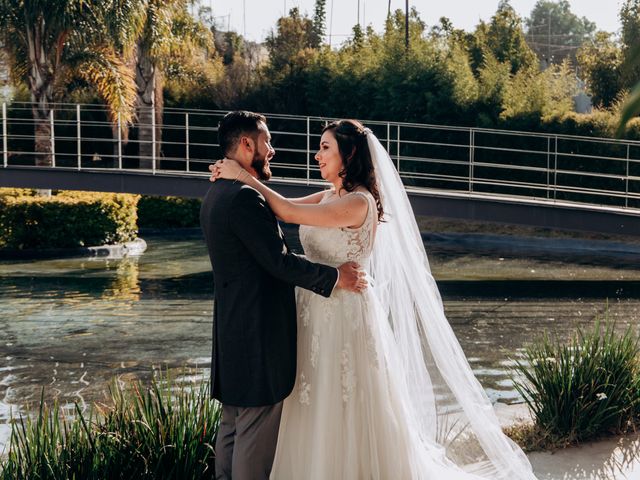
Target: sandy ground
(615, 458)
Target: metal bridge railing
(517, 166)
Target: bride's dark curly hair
(357, 166)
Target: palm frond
(114, 81)
(630, 109)
(631, 106)
(123, 23)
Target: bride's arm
(314, 198)
(347, 211)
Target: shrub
(168, 212)
(66, 220)
(585, 388)
(148, 433)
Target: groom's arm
(253, 223)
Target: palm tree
(169, 34)
(52, 40)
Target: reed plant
(155, 432)
(583, 388)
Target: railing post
(186, 138)
(308, 151)
(626, 182)
(5, 153)
(398, 150)
(78, 136)
(53, 139)
(153, 138)
(471, 157)
(548, 166)
(388, 137)
(555, 168)
(119, 141)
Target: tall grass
(583, 388)
(159, 432)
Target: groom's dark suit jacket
(254, 317)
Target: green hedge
(168, 212)
(66, 219)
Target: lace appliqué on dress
(303, 306)
(358, 243)
(315, 349)
(348, 375)
(304, 391)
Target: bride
(383, 388)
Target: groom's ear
(246, 144)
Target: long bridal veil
(446, 402)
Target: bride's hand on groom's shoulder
(225, 168)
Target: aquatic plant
(160, 432)
(583, 388)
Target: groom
(253, 366)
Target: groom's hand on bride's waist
(351, 277)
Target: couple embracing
(356, 374)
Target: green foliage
(541, 94)
(160, 432)
(295, 34)
(630, 36)
(600, 61)
(228, 45)
(504, 38)
(168, 212)
(554, 32)
(66, 220)
(583, 389)
(319, 19)
(75, 41)
(630, 19)
(631, 108)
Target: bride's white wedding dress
(383, 389)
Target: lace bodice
(335, 246)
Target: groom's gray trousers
(246, 442)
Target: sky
(256, 18)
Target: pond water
(70, 326)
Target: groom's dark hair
(236, 124)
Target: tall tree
(168, 33)
(630, 37)
(600, 61)
(554, 32)
(294, 34)
(503, 38)
(630, 19)
(48, 39)
(318, 27)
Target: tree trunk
(41, 76)
(148, 82)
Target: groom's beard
(259, 164)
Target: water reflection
(72, 325)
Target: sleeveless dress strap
(371, 202)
